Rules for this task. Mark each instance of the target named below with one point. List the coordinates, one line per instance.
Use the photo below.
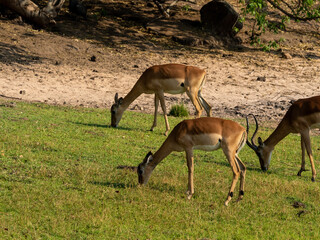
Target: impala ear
(116, 98)
(260, 141)
(148, 158)
(120, 101)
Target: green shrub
(179, 110)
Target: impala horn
(252, 144)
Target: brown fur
(160, 79)
(206, 133)
(302, 115)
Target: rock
(261, 79)
(300, 213)
(297, 204)
(227, 55)
(137, 107)
(93, 58)
(149, 4)
(23, 92)
(188, 41)
(77, 7)
(220, 17)
(286, 55)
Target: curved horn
(116, 98)
(252, 144)
(148, 157)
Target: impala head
(116, 114)
(263, 152)
(144, 170)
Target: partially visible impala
(206, 134)
(160, 79)
(303, 115)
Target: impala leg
(164, 109)
(189, 155)
(303, 162)
(306, 139)
(156, 105)
(232, 160)
(193, 95)
(242, 168)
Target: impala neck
(282, 130)
(159, 155)
(131, 96)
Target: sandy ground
(48, 67)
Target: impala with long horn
(160, 79)
(303, 115)
(206, 134)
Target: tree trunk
(31, 12)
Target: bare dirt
(84, 62)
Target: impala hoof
(313, 179)
(239, 198)
(228, 199)
(189, 195)
(300, 171)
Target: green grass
(59, 180)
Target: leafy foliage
(297, 10)
(186, 7)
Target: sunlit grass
(59, 180)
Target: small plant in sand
(179, 110)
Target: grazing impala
(160, 79)
(206, 134)
(302, 115)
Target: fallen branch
(31, 11)
(165, 11)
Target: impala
(160, 79)
(206, 134)
(303, 115)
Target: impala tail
(204, 103)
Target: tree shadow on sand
(10, 54)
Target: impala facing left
(206, 134)
(302, 115)
(160, 79)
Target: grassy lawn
(59, 180)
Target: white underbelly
(207, 147)
(173, 85)
(176, 91)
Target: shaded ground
(124, 38)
